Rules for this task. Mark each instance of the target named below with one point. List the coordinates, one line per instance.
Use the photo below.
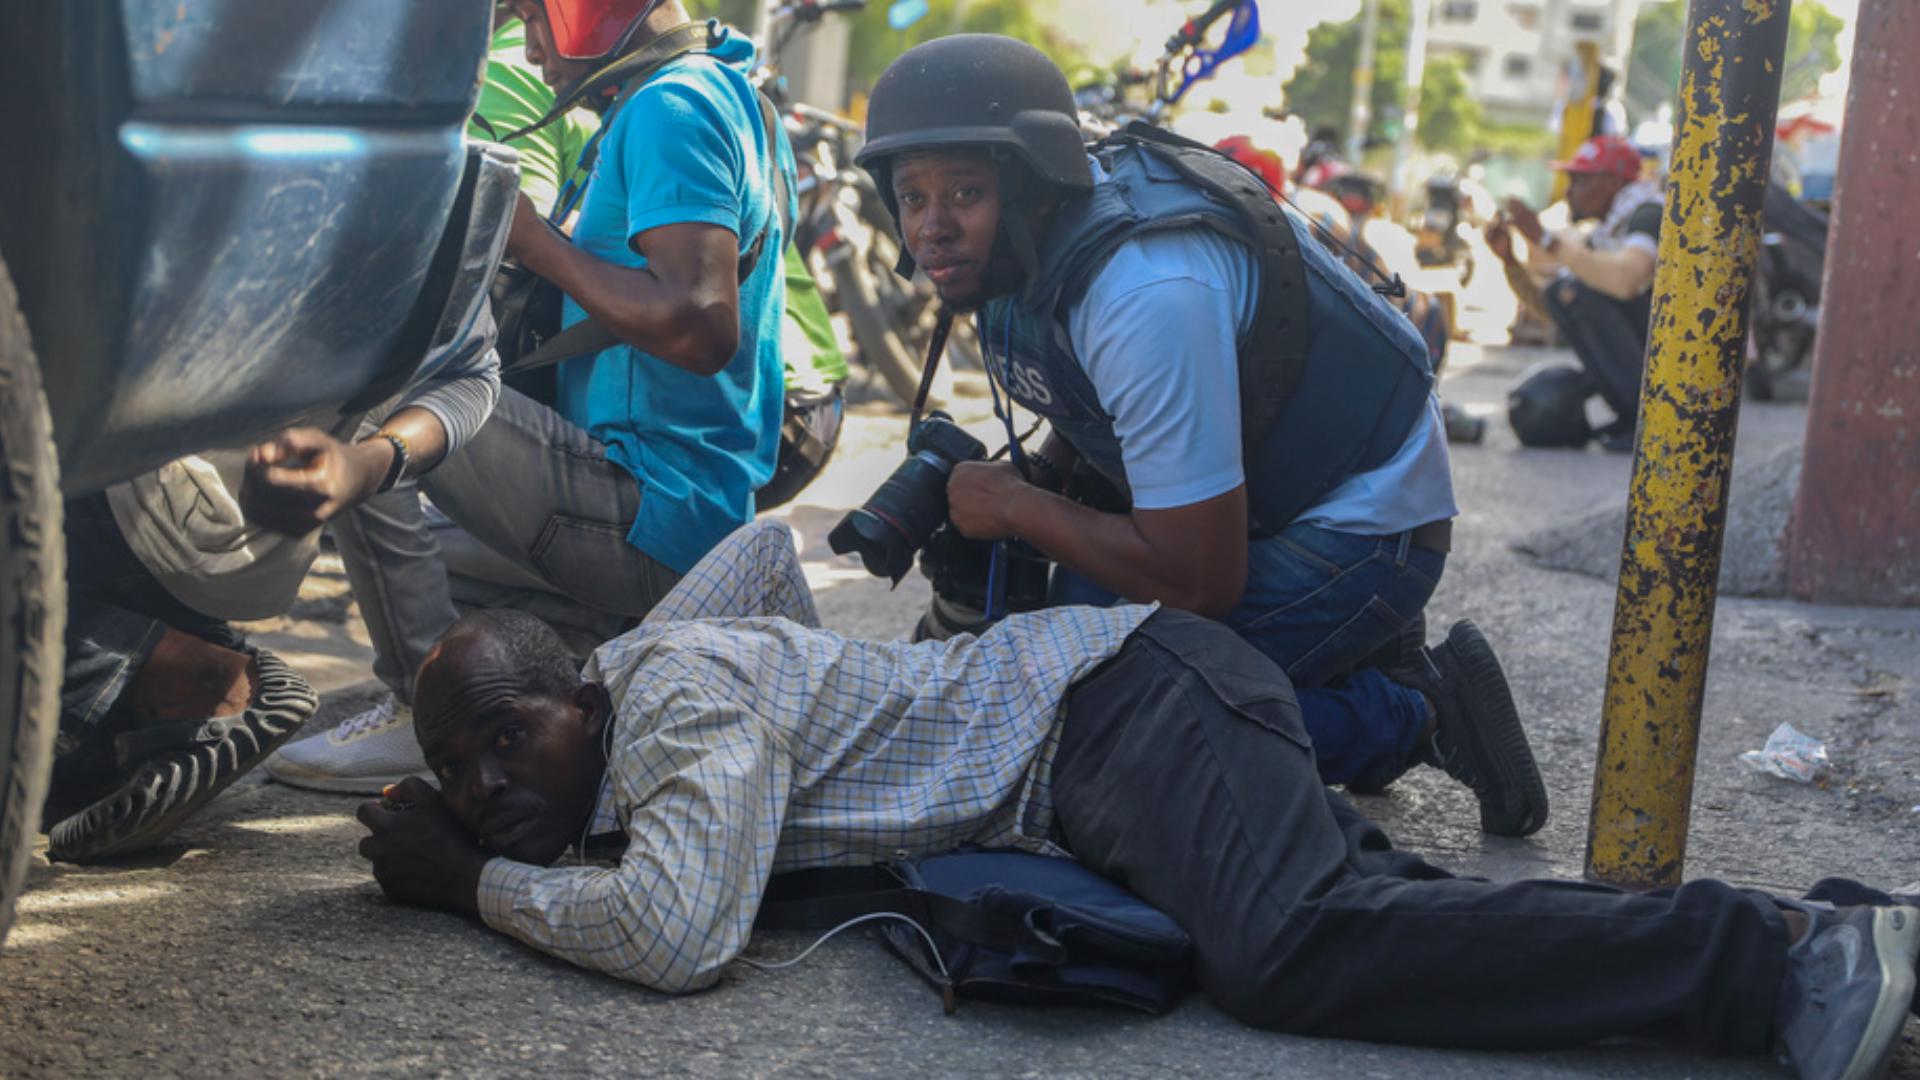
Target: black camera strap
(936, 350)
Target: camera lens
(898, 519)
(906, 510)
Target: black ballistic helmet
(979, 90)
(1548, 407)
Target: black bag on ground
(1548, 406)
(1000, 925)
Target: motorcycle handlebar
(1196, 29)
(812, 10)
(825, 118)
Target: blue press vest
(1366, 375)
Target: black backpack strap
(777, 188)
(636, 67)
(583, 338)
(825, 898)
(1274, 361)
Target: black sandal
(175, 769)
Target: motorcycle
(1786, 297)
(847, 234)
(1437, 240)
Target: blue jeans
(1317, 603)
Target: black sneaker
(1477, 738)
(1849, 981)
(178, 768)
(1618, 437)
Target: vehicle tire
(1759, 373)
(33, 601)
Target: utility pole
(1361, 116)
(1689, 408)
(1421, 11)
(1620, 46)
(1855, 537)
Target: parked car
(217, 218)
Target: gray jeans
(541, 519)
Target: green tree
(1659, 36)
(737, 12)
(1321, 90)
(875, 44)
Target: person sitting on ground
(728, 739)
(163, 702)
(656, 446)
(1601, 288)
(1130, 308)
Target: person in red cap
(1600, 291)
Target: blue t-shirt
(687, 147)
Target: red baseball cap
(1606, 155)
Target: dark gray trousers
(1185, 773)
(1609, 337)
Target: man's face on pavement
(1590, 195)
(950, 219)
(519, 770)
(555, 70)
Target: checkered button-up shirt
(747, 741)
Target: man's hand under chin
(421, 855)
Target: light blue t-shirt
(687, 147)
(1172, 386)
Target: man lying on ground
(730, 738)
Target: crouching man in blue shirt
(1146, 318)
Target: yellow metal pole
(1689, 406)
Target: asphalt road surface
(256, 942)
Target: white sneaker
(359, 757)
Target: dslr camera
(908, 516)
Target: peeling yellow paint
(1670, 562)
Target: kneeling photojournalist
(1241, 427)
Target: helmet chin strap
(1017, 187)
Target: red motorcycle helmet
(595, 29)
(1265, 163)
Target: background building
(1518, 52)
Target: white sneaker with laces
(359, 757)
